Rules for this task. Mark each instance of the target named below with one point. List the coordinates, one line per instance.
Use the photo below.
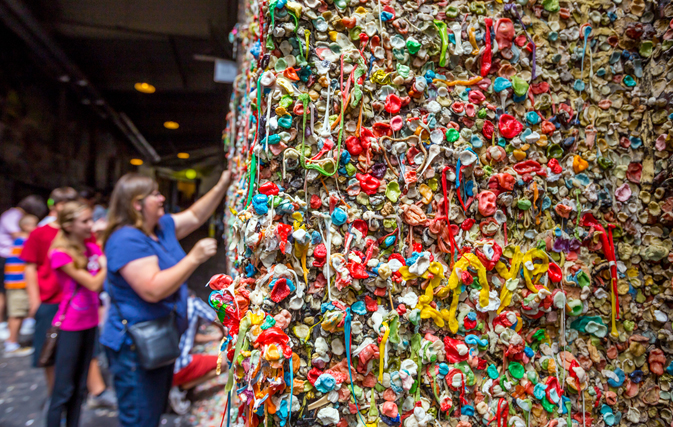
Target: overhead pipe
(19, 19)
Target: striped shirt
(196, 309)
(15, 267)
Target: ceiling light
(171, 125)
(86, 101)
(183, 155)
(82, 83)
(145, 88)
(64, 78)
(136, 162)
(190, 173)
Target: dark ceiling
(117, 43)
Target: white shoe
(178, 400)
(13, 349)
(4, 331)
(106, 399)
(28, 326)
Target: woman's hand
(102, 262)
(192, 218)
(225, 178)
(203, 250)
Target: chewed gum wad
(452, 213)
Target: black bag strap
(114, 302)
(119, 310)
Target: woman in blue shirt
(147, 270)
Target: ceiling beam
(178, 63)
(19, 19)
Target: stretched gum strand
(473, 42)
(471, 82)
(444, 36)
(382, 348)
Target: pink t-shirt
(82, 312)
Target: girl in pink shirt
(80, 269)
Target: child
(80, 268)
(15, 284)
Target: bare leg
(94, 382)
(14, 325)
(49, 377)
(193, 383)
(2, 306)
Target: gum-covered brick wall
(450, 213)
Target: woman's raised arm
(192, 218)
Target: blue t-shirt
(128, 244)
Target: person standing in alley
(147, 271)
(9, 231)
(80, 270)
(18, 307)
(44, 292)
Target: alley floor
(23, 395)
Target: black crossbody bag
(157, 341)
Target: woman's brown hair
(63, 241)
(130, 188)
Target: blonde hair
(63, 240)
(130, 188)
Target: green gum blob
(524, 204)
(520, 85)
(646, 49)
(393, 191)
(286, 100)
(478, 7)
(554, 151)
(551, 5)
(356, 96)
(516, 370)
(548, 406)
(389, 224)
(605, 163)
(452, 135)
(362, 199)
(403, 70)
(413, 46)
(281, 64)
